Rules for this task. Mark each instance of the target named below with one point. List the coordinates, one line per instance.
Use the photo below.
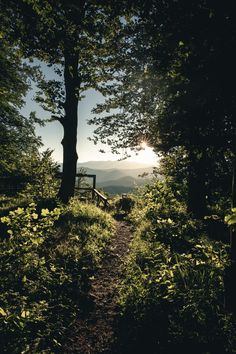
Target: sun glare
(144, 145)
(146, 155)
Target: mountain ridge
(117, 177)
(114, 174)
(104, 165)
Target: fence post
(94, 186)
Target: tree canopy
(166, 78)
(176, 89)
(17, 133)
(78, 39)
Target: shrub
(91, 227)
(173, 292)
(41, 172)
(25, 274)
(125, 203)
(47, 257)
(231, 218)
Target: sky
(52, 132)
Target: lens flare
(144, 144)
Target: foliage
(78, 41)
(172, 294)
(91, 227)
(26, 276)
(20, 159)
(9, 203)
(176, 91)
(173, 84)
(35, 179)
(46, 259)
(125, 203)
(231, 218)
(17, 134)
(41, 173)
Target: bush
(41, 172)
(46, 257)
(25, 275)
(172, 294)
(125, 203)
(91, 227)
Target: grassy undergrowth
(172, 295)
(47, 257)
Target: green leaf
(230, 219)
(25, 314)
(2, 312)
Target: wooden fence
(13, 185)
(97, 197)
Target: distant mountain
(104, 165)
(112, 190)
(122, 185)
(114, 174)
(126, 181)
(116, 177)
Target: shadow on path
(93, 333)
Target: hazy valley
(116, 177)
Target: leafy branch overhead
(77, 39)
(17, 134)
(73, 279)
(176, 90)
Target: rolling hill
(116, 177)
(115, 174)
(108, 165)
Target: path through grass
(93, 332)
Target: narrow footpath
(94, 333)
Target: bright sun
(146, 155)
(144, 144)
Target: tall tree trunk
(70, 123)
(196, 184)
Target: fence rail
(97, 197)
(101, 198)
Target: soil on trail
(93, 332)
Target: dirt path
(94, 333)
